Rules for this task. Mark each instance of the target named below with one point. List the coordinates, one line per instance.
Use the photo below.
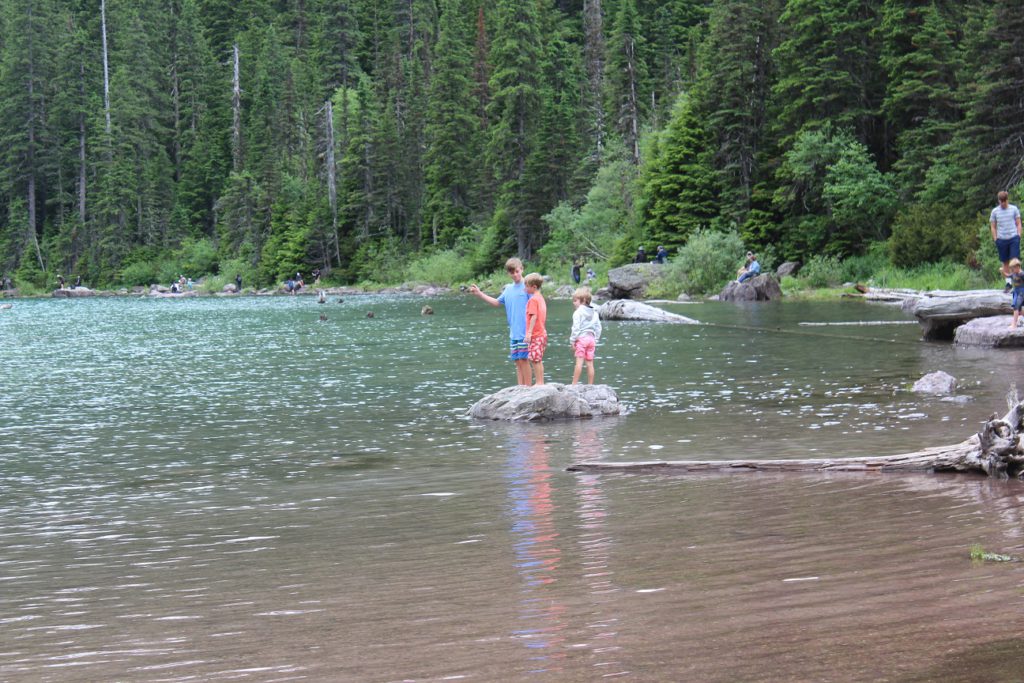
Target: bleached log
(995, 451)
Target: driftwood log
(941, 312)
(995, 451)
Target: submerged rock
(547, 402)
(939, 383)
(625, 309)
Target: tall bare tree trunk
(106, 65)
(332, 180)
(31, 199)
(81, 146)
(594, 54)
(633, 105)
(236, 106)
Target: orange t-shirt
(537, 308)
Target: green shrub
(822, 271)
(708, 261)
(142, 273)
(196, 258)
(440, 268)
(927, 233)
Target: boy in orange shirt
(536, 335)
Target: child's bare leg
(576, 371)
(1016, 315)
(590, 372)
(523, 372)
(538, 372)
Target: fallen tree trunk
(995, 451)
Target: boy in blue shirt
(514, 298)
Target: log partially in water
(995, 451)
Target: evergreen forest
(382, 140)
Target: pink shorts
(537, 346)
(584, 347)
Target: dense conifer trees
(356, 135)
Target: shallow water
(231, 489)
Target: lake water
(233, 489)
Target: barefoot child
(536, 334)
(1016, 278)
(514, 298)
(586, 330)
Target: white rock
(547, 402)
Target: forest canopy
(143, 137)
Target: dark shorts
(1018, 298)
(1008, 249)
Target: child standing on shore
(586, 330)
(1016, 278)
(514, 298)
(536, 333)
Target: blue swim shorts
(1018, 298)
(518, 349)
(1008, 249)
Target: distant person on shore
(514, 298)
(591, 275)
(1006, 230)
(78, 282)
(586, 330)
(316, 277)
(60, 282)
(536, 333)
(299, 282)
(751, 269)
(661, 256)
(238, 282)
(641, 255)
(576, 267)
(1017, 281)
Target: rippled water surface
(233, 489)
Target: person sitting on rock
(750, 270)
(661, 256)
(641, 255)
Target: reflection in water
(537, 553)
(595, 540)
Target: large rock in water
(631, 281)
(941, 313)
(547, 402)
(764, 287)
(993, 332)
(939, 383)
(624, 309)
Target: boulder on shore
(547, 402)
(73, 293)
(764, 287)
(787, 269)
(939, 383)
(992, 332)
(632, 280)
(624, 309)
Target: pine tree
(987, 146)
(26, 64)
(512, 113)
(920, 60)
(625, 76)
(732, 92)
(453, 134)
(679, 193)
(828, 69)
